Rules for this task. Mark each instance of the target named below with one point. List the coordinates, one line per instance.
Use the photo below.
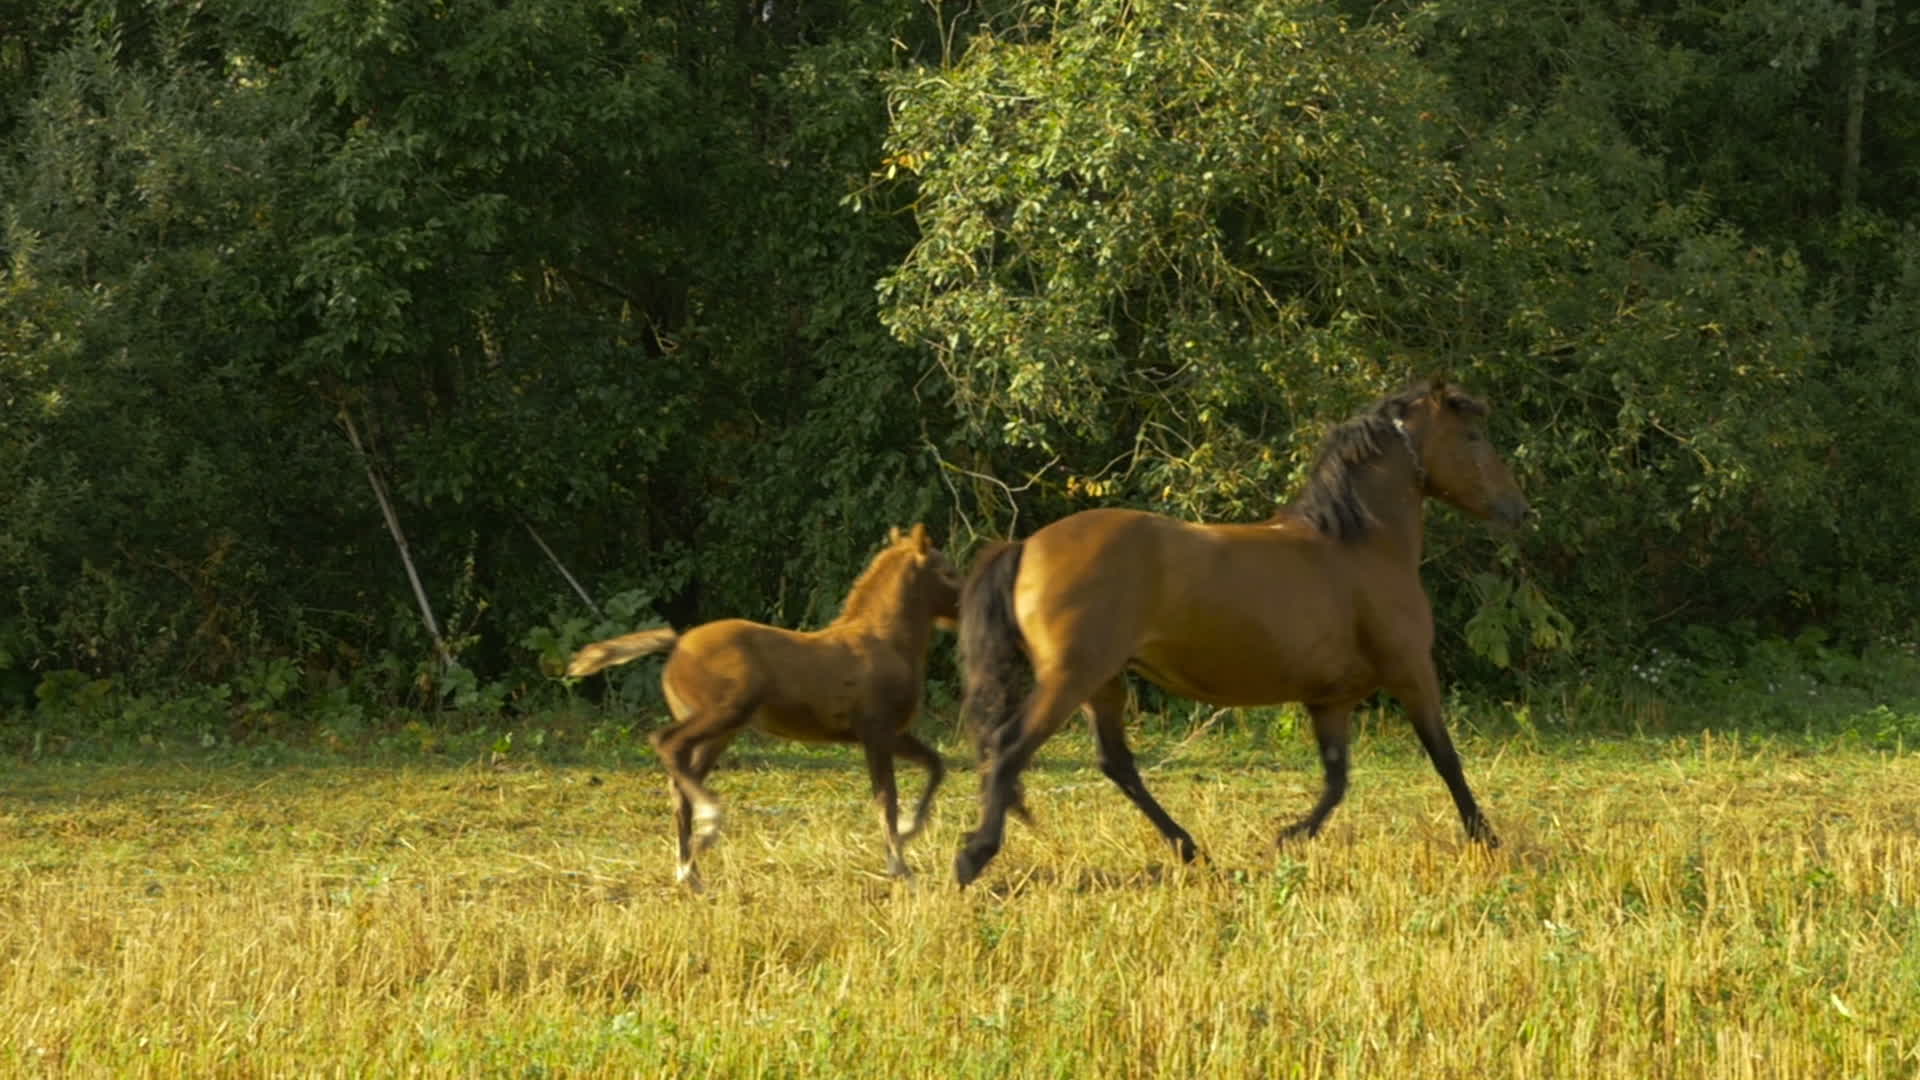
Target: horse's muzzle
(1510, 510)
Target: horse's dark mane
(1331, 501)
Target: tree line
(388, 350)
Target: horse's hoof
(1297, 832)
(689, 876)
(971, 860)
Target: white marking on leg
(706, 824)
(688, 875)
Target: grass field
(1698, 906)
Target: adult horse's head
(1446, 428)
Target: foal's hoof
(1482, 833)
(687, 875)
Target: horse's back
(1232, 614)
(804, 685)
(739, 658)
(1166, 563)
(1105, 561)
(1099, 582)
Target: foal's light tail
(993, 651)
(605, 654)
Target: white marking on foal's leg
(706, 824)
(689, 875)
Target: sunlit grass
(1686, 907)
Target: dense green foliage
(1162, 244)
(703, 297)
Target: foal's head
(932, 575)
(1446, 429)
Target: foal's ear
(893, 534)
(920, 539)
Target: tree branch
(1856, 108)
(399, 538)
(558, 565)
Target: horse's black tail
(993, 651)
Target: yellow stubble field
(1702, 907)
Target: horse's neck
(1397, 506)
(898, 617)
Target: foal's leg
(905, 745)
(676, 746)
(1333, 730)
(679, 760)
(699, 761)
(1109, 704)
(877, 741)
(1056, 694)
(1421, 696)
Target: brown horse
(857, 680)
(1321, 604)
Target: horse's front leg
(1109, 705)
(878, 742)
(906, 746)
(1333, 730)
(1421, 696)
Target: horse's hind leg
(1333, 730)
(906, 746)
(1054, 698)
(680, 748)
(1008, 734)
(1109, 705)
(699, 761)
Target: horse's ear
(920, 539)
(893, 534)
